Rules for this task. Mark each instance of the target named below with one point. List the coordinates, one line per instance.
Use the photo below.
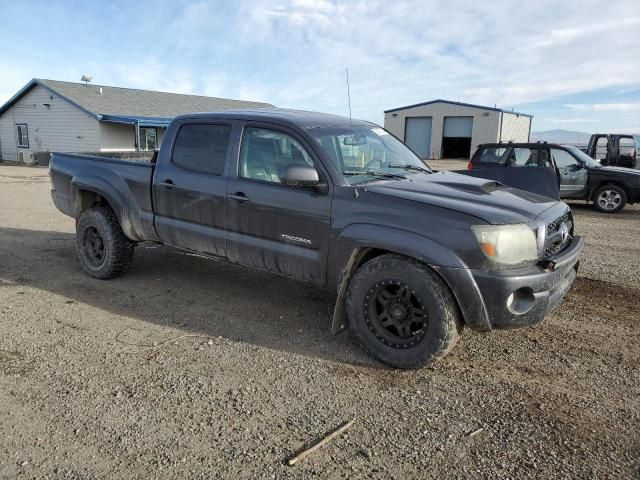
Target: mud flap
(339, 321)
(539, 180)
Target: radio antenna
(346, 70)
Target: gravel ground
(90, 389)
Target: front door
(189, 189)
(573, 175)
(272, 226)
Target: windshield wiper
(415, 168)
(374, 173)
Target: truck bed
(125, 184)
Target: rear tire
(609, 199)
(103, 249)
(402, 312)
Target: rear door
(573, 175)
(189, 188)
(527, 168)
(599, 148)
(625, 152)
(272, 226)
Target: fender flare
(356, 240)
(115, 199)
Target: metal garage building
(445, 129)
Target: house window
(23, 135)
(148, 138)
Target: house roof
(470, 105)
(116, 102)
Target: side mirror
(301, 176)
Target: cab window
(202, 148)
(491, 155)
(564, 159)
(528, 157)
(602, 148)
(627, 146)
(266, 154)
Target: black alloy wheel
(94, 246)
(395, 314)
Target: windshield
(583, 157)
(363, 154)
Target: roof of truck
(301, 118)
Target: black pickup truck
(412, 255)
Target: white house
(49, 115)
(445, 129)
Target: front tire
(609, 199)
(402, 312)
(103, 249)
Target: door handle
(168, 184)
(238, 197)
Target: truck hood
(488, 200)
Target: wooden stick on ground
(328, 438)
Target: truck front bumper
(513, 298)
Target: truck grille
(559, 235)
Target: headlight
(508, 244)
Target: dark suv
(578, 175)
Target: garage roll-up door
(417, 135)
(458, 127)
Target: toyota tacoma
(413, 256)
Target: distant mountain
(561, 136)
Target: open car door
(540, 180)
(527, 168)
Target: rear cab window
(490, 154)
(202, 148)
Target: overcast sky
(573, 64)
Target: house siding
(486, 123)
(515, 128)
(61, 127)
